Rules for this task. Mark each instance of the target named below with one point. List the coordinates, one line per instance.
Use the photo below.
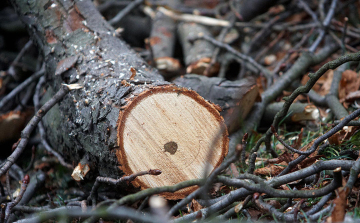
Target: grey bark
(197, 53)
(198, 49)
(162, 43)
(163, 33)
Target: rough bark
(80, 47)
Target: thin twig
(234, 196)
(26, 98)
(263, 187)
(11, 69)
(21, 87)
(289, 52)
(320, 139)
(25, 134)
(33, 149)
(41, 128)
(325, 24)
(10, 205)
(321, 213)
(252, 160)
(315, 208)
(233, 51)
(108, 180)
(123, 213)
(125, 11)
(194, 18)
(8, 189)
(28, 209)
(221, 38)
(343, 35)
(269, 94)
(307, 9)
(286, 145)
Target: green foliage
(355, 213)
(312, 201)
(334, 151)
(355, 140)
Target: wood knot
(171, 147)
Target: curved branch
(25, 134)
(263, 187)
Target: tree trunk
(125, 118)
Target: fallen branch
(25, 134)
(10, 205)
(108, 180)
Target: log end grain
(171, 129)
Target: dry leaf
(234, 171)
(276, 9)
(215, 189)
(133, 73)
(352, 96)
(334, 139)
(12, 123)
(255, 214)
(349, 83)
(274, 203)
(344, 135)
(261, 83)
(323, 85)
(340, 202)
(271, 169)
(297, 17)
(286, 156)
(305, 148)
(281, 147)
(309, 161)
(195, 206)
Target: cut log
(298, 113)
(197, 54)
(236, 98)
(162, 42)
(170, 129)
(126, 118)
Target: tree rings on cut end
(172, 129)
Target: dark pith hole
(171, 147)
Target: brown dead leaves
(349, 83)
(340, 205)
(271, 169)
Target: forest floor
(295, 157)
